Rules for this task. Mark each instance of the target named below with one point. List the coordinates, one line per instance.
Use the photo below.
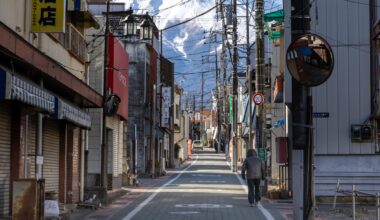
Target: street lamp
(130, 27)
(146, 28)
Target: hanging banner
(167, 97)
(48, 16)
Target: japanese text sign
(167, 96)
(48, 16)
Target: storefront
(21, 101)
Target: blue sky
(186, 45)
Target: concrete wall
(138, 61)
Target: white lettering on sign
(122, 79)
(166, 95)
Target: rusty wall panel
(28, 199)
(24, 200)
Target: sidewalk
(145, 185)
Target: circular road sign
(258, 98)
(310, 60)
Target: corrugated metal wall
(346, 94)
(5, 147)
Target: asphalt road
(207, 189)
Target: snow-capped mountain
(188, 45)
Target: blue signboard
(321, 114)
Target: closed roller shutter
(51, 155)
(5, 155)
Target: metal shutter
(5, 155)
(51, 155)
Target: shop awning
(84, 19)
(79, 13)
(71, 113)
(274, 16)
(13, 87)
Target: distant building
(116, 129)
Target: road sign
(321, 114)
(258, 98)
(261, 153)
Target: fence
(356, 193)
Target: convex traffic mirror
(310, 60)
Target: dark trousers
(253, 190)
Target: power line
(188, 54)
(172, 6)
(190, 19)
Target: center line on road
(184, 213)
(206, 181)
(265, 212)
(207, 175)
(146, 201)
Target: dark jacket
(253, 167)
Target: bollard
(353, 201)
(378, 206)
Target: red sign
(118, 74)
(258, 98)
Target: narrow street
(205, 189)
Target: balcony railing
(74, 41)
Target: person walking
(253, 170)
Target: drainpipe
(153, 143)
(39, 142)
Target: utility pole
(248, 62)
(201, 114)
(193, 117)
(217, 98)
(234, 86)
(302, 143)
(260, 59)
(224, 67)
(259, 29)
(104, 147)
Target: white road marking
(203, 206)
(242, 198)
(265, 212)
(146, 201)
(207, 175)
(207, 181)
(184, 213)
